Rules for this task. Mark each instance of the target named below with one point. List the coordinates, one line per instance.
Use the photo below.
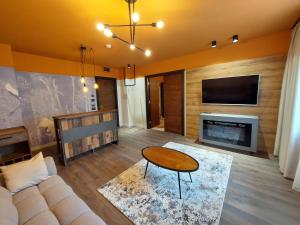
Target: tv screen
(231, 90)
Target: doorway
(156, 85)
(106, 93)
(165, 101)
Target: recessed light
(235, 38)
(108, 46)
(214, 44)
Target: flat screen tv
(241, 90)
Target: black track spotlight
(128, 66)
(214, 44)
(235, 38)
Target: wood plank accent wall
(271, 70)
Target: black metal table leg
(179, 185)
(146, 169)
(190, 177)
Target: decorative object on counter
(14, 145)
(82, 132)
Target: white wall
(132, 103)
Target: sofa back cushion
(24, 174)
(8, 211)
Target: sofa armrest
(50, 166)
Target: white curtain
(287, 144)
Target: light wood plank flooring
(256, 193)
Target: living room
(149, 112)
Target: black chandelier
(133, 24)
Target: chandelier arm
(136, 25)
(130, 22)
(133, 32)
(128, 43)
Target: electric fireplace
(234, 131)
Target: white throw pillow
(24, 174)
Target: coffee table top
(170, 159)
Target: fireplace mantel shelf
(229, 115)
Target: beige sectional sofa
(51, 202)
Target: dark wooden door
(154, 83)
(106, 93)
(173, 102)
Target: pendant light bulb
(148, 53)
(85, 89)
(135, 17)
(108, 32)
(96, 86)
(82, 80)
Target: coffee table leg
(190, 177)
(179, 185)
(146, 169)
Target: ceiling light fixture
(235, 38)
(108, 46)
(214, 44)
(134, 18)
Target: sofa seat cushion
(53, 202)
(44, 218)
(8, 211)
(88, 218)
(31, 205)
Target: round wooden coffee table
(170, 159)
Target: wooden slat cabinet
(82, 132)
(14, 145)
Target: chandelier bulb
(132, 46)
(108, 32)
(148, 53)
(82, 80)
(160, 24)
(100, 26)
(135, 17)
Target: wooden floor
(256, 193)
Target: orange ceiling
(56, 28)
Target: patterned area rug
(155, 199)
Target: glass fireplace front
(227, 132)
